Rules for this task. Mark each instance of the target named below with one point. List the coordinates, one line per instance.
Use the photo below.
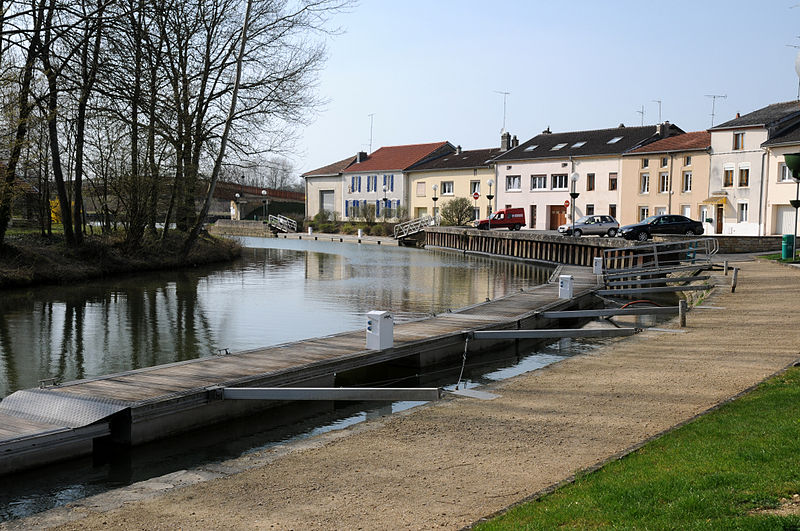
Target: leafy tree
(457, 211)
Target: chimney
(505, 141)
(361, 156)
(737, 115)
(621, 126)
(514, 141)
(458, 150)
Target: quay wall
(230, 227)
(734, 244)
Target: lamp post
(490, 196)
(264, 195)
(435, 188)
(574, 195)
(237, 195)
(384, 202)
(792, 161)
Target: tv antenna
(713, 103)
(371, 116)
(642, 113)
(659, 109)
(796, 63)
(505, 96)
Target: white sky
(428, 70)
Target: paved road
(449, 464)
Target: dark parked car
(663, 224)
(599, 225)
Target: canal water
(279, 291)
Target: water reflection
(281, 290)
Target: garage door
(326, 200)
(784, 220)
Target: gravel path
(448, 464)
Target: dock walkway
(43, 425)
(453, 462)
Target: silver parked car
(594, 224)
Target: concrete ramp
(61, 409)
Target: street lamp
(574, 195)
(490, 196)
(384, 202)
(237, 195)
(792, 161)
(435, 187)
(264, 195)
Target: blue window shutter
(347, 208)
(377, 207)
(359, 183)
(391, 182)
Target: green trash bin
(786, 246)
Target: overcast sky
(429, 70)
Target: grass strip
(721, 471)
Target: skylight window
(531, 148)
(557, 147)
(579, 144)
(614, 140)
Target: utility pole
(505, 96)
(713, 103)
(642, 113)
(371, 116)
(659, 109)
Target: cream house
(538, 175)
(459, 174)
(324, 187)
(738, 182)
(669, 176)
(780, 187)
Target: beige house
(324, 187)
(780, 187)
(669, 176)
(460, 174)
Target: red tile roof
(396, 157)
(686, 142)
(331, 169)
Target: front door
(720, 212)
(558, 216)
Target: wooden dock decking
(38, 426)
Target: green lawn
(710, 474)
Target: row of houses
(732, 176)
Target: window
(513, 183)
(738, 141)
(474, 186)
(559, 181)
(355, 183)
(744, 177)
(589, 182)
(686, 210)
(742, 212)
(645, 163)
(590, 210)
(687, 160)
(614, 140)
(388, 182)
(643, 212)
(612, 210)
(421, 189)
(538, 182)
(531, 148)
(533, 216)
(704, 214)
(784, 173)
(663, 182)
(447, 187)
(557, 147)
(644, 183)
(476, 212)
(664, 162)
(579, 144)
(727, 179)
(686, 184)
(660, 211)
(612, 181)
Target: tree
(457, 211)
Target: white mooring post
(310, 230)
(597, 265)
(565, 286)
(380, 330)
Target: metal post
(725, 267)
(796, 205)
(734, 278)
(682, 307)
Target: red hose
(639, 302)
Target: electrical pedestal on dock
(380, 330)
(565, 283)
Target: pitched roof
(475, 158)
(331, 169)
(585, 143)
(767, 116)
(397, 157)
(790, 135)
(694, 141)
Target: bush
(348, 228)
(378, 230)
(457, 211)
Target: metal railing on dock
(412, 226)
(282, 223)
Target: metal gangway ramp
(412, 226)
(282, 223)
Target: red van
(510, 218)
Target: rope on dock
(463, 361)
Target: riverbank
(451, 463)
(29, 259)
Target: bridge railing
(282, 223)
(413, 226)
